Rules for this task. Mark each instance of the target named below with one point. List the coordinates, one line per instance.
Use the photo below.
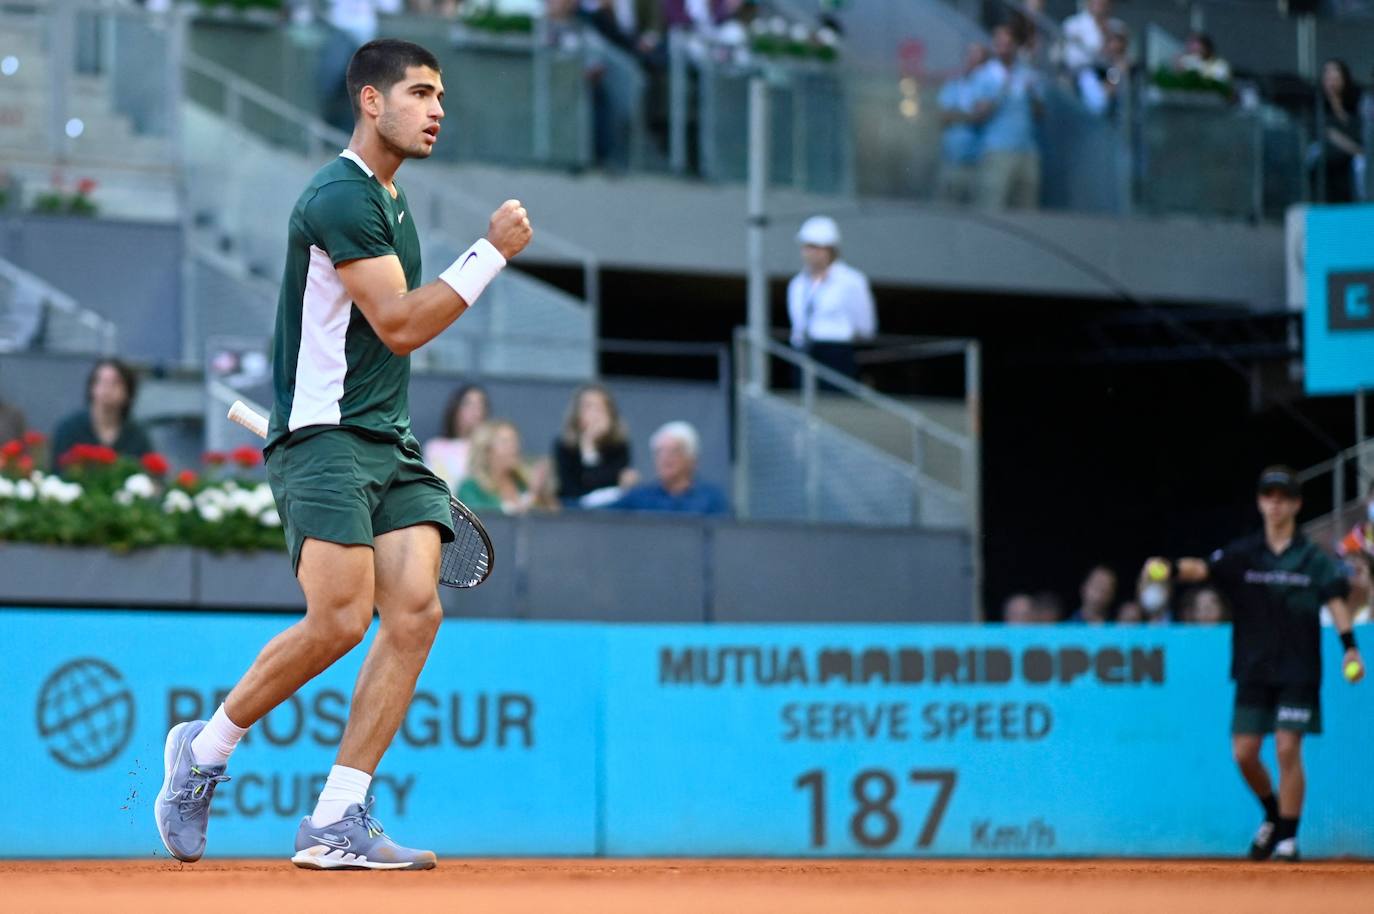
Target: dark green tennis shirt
(329, 368)
(1276, 603)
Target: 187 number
(875, 823)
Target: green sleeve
(348, 222)
(477, 498)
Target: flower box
(95, 576)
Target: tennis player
(363, 516)
(1277, 581)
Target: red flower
(246, 457)
(85, 186)
(35, 439)
(155, 464)
(12, 448)
(214, 458)
(186, 479)
(101, 454)
(26, 464)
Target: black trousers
(835, 356)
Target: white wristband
(470, 273)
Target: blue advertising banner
(497, 754)
(1338, 326)
(951, 741)
(548, 738)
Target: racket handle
(245, 416)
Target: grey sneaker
(183, 806)
(355, 842)
(1286, 851)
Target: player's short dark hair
(381, 64)
(126, 374)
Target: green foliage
(1190, 81)
(489, 18)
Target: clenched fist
(510, 230)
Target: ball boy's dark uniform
(1276, 630)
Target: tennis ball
(1157, 570)
(1352, 670)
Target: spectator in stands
(11, 422)
(497, 476)
(592, 453)
(110, 391)
(448, 454)
(1019, 609)
(1100, 85)
(1026, 29)
(1085, 35)
(829, 302)
(1204, 606)
(1359, 566)
(1129, 613)
(1048, 607)
(1096, 595)
(1361, 536)
(1341, 136)
(352, 24)
(1200, 56)
(676, 489)
(959, 145)
(1009, 102)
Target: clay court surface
(695, 886)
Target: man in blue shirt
(1008, 102)
(959, 145)
(676, 490)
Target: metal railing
(36, 315)
(893, 466)
(1350, 473)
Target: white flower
(51, 488)
(827, 37)
(140, 485)
(243, 500)
(6, 488)
(212, 497)
(269, 518)
(778, 25)
(177, 502)
(69, 493)
(24, 490)
(123, 497)
(800, 33)
(211, 513)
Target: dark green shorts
(340, 487)
(1263, 708)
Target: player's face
(410, 119)
(1278, 507)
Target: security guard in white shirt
(829, 302)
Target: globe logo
(85, 713)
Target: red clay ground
(691, 887)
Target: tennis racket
(465, 562)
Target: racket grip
(245, 416)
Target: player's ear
(371, 100)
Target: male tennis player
(1276, 581)
(363, 516)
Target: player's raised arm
(405, 321)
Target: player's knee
(340, 629)
(1288, 748)
(418, 623)
(1245, 751)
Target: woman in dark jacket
(593, 450)
(1342, 132)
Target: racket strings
(466, 561)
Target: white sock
(213, 745)
(343, 788)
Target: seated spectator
(1100, 85)
(447, 455)
(1096, 594)
(1204, 606)
(593, 451)
(959, 145)
(1361, 536)
(1019, 609)
(1340, 145)
(1085, 35)
(1200, 56)
(497, 476)
(1130, 613)
(675, 446)
(11, 422)
(110, 391)
(1008, 102)
(1048, 607)
(1359, 566)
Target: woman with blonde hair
(497, 476)
(593, 450)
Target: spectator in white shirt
(829, 302)
(1100, 86)
(1085, 35)
(1200, 56)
